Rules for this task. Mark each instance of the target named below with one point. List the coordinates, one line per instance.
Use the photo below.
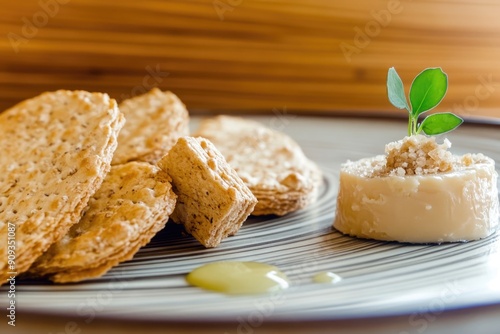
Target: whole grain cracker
(270, 163)
(213, 202)
(155, 121)
(132, 205)
(56, 150)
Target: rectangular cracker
(213, 202)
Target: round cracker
(132, 205)
(56, 150)
(270, 163)
(155, 121)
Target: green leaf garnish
(440, 123)
(395, 90)
(426, 92)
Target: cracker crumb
(418, 155)
(467, 159)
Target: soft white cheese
(459, 205)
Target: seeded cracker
(56, 150)
(213, 202)
(270, 163)
(132, 205)
(155, 121)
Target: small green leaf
(395, 90)
(427, 90)
(437, 124)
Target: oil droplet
(327, 277)
(238, 278)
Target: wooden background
(253, 55)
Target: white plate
(379, 278)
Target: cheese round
(459, 205)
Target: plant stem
(410, 121)
(412, 125)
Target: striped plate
(379, 278)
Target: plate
(379, 278)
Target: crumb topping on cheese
(418, 155)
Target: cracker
(270, 163)
(56, 150)
(132, 205)
(213, 202)
(155, 121)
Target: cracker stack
(132, 205)
(55, 189)
(56, 151)
(213, 202)
(270, 163)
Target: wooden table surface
(315, 56)
(477, 320)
